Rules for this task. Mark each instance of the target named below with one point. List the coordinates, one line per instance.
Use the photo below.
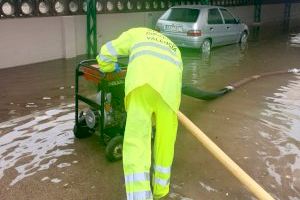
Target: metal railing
(44, 8)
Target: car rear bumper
(185, 41)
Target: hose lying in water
(208, 95)
(201, 94)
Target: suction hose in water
(210, 95)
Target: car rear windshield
(182, 15)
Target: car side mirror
(238, 21)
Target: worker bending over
(152, 88)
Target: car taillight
(194, 33)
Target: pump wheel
(114, 148)
(81, 130)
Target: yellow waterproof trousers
(142, 103)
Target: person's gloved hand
(117, 67)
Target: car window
(214, 17)
(182, 15)
(228, 18)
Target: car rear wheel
(206, 46)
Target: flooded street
(257, 125)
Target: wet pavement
(257, 125)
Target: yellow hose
(229, 164)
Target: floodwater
(257, 125)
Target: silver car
(201, 27)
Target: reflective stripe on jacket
(153, 60)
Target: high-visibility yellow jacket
(153, 60)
